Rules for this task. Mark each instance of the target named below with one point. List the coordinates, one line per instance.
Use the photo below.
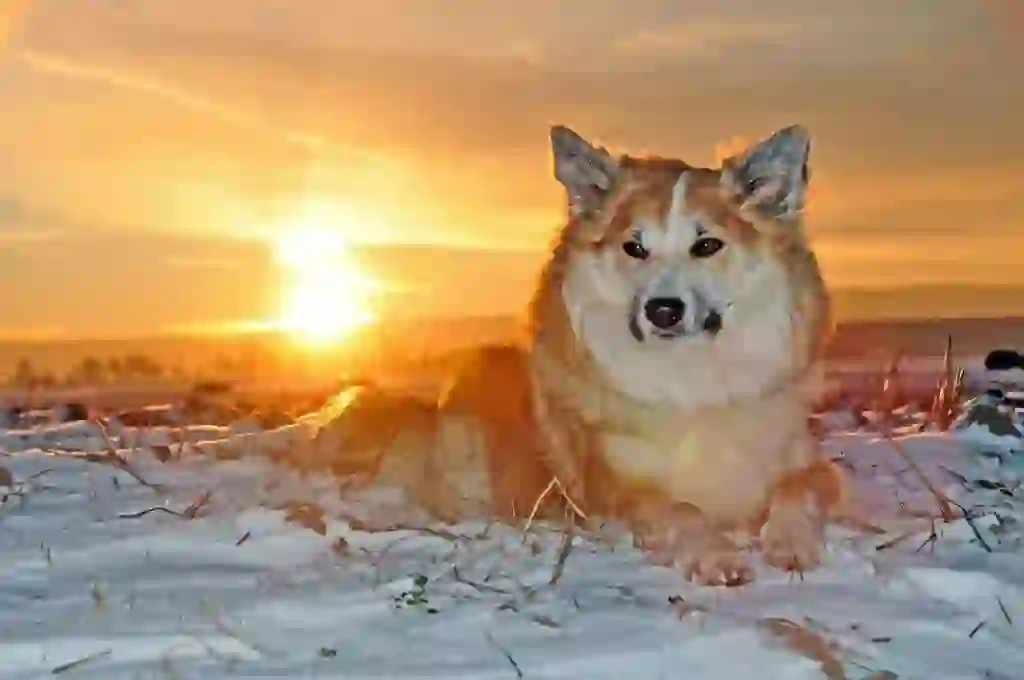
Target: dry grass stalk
(807, 643)
(515, 666)
(945, 504)
(1003, 610)
(480, 586)
(114, 458)
(891, 394)
(188, 513)
(537, 504)
(887, 421)
(569, 501)
(948, 391)
(72, 665)
(563, 553)
(552, 485)
(572, 511)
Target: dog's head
(671, 263)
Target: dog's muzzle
(667, 319)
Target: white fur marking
(681, 225)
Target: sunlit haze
(176, 163)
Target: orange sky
(149, 151)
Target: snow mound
(989, 423)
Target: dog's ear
(586, 172)
(770, 177)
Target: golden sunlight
(327, 296)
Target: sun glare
(327, 296)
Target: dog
(671, 357)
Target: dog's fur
(683, 431)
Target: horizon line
(263, 328)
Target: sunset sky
(152, 151)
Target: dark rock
(75, 411)
(1003, 360)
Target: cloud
(56, 65)
(23, 225)
(33, 333)
(202, 262)
(193, 115)
(700, 39)
(16, 238)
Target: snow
(242, 577)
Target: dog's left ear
(586, 172)
(771, 176)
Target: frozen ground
(247, 571)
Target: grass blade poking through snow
(72, 665)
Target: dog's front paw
(793, 539)
(728, 567)
(681, 538)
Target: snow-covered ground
(190, 565)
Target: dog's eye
(706, 247)
(635, 250)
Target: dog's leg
(681, 535)
(794, 533)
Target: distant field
(379, 350)
(971, 337)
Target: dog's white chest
(725, 465)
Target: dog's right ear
(586, 172)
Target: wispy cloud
(187, 262)
(57, 65)
(13, 238)
(698, 39)
(21, 225)
(220, 327)
(32, 333)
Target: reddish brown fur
(821, 483)
(540, 410)
(645, 190)
(493, 389)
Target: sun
(321, 309)
(327, 296)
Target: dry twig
(112, 457)
(71, 665)
(563, 553)
(188, 513)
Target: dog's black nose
(713, 323)
(664, 313)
